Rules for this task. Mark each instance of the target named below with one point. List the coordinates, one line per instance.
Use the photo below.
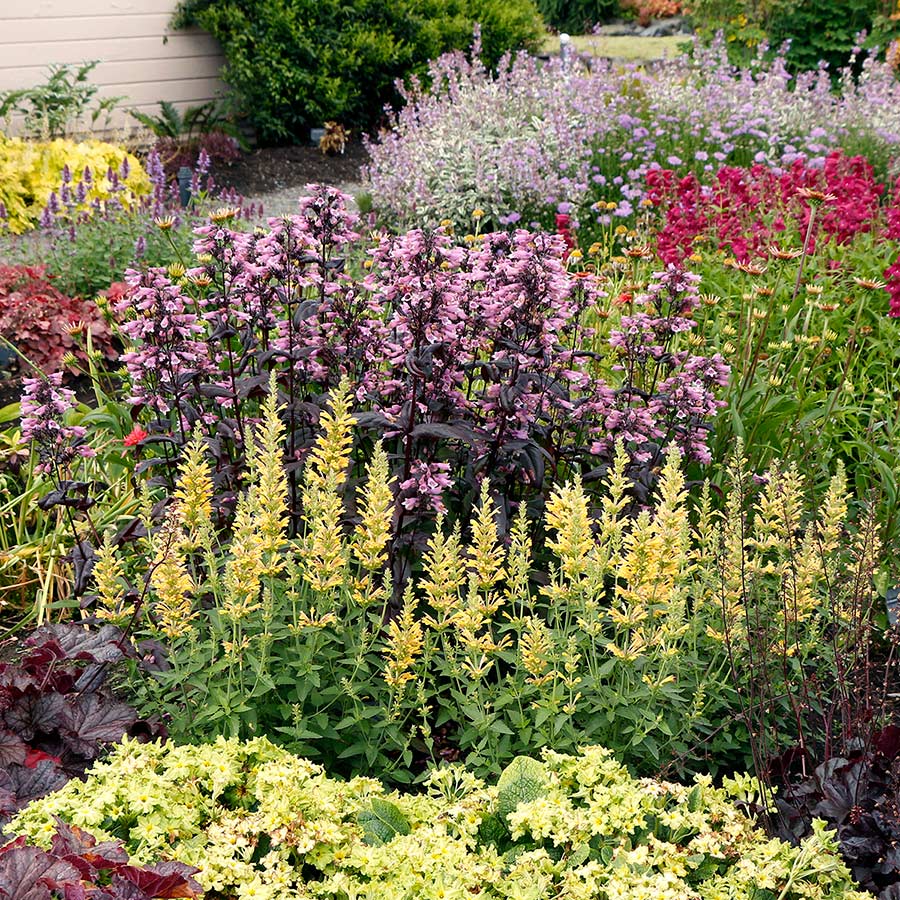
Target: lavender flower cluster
(88, 242)
(556, 137)
(479, 346)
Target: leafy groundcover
(259, 822)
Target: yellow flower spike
(518, 562)
(170, 584)
(486, 554)
(244, 567)
(109, 577)
(405, 640)
(323, 557)
(194, 491)
(567, 516)
(269, 483)
(328, 460)
(443, 572)
(535, 651)
(370, 540)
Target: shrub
(297, 63)
(256, 821)
(822, 32)
(576, 16)
(31, 171)
(42, 323)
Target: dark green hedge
(298, 63)
(577, 16)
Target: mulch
(268, 170)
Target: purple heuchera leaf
(78, 642)
(92, 720)
(12, 749)
(29, 873)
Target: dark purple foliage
(467, 359)
(57, 712)
(859, 796)
(78, 868)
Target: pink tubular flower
(425, 486)
(45, 403)
(166, 333)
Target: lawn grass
(620, 47)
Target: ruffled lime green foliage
(260, 823)
(31, 170)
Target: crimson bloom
(135, 436)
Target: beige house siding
(140, 58)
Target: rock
(621, 29)
(666, 27)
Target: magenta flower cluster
(45, 403)
(464, 357)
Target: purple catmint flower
(44, 405)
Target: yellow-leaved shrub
(31, 170)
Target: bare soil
(270, 170)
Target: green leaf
(522, 781)
(382, 822)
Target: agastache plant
(44, 407)
(90, 239)
(468, 359)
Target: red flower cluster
(564, 230)
(892, 281)
(745, 209)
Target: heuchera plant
(78, 867)
(43, 323)
(57, 712)
(857, 795)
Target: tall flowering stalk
(45, 403)
(464, 357)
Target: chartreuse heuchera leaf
(258, 822)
